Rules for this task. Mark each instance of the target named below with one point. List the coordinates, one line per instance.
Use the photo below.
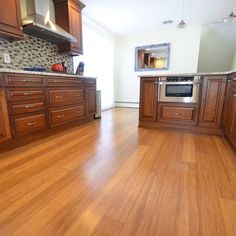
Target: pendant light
(231, 17)
(182, 23)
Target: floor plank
(109, 177)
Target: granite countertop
(190, 74)
(5, 70)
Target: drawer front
(65, 82)
(65, 97)
(90, 82)
(178, 114)
(25, 94)
(29, 124)
(23, 80)
(66, 115)
(16, 108)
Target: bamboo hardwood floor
(109, 177)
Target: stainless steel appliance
(183, 89)
(38, 20)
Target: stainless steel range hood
(38, 21)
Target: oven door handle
(179, 83)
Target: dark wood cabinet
(229, 117)
(212, 102)
(148, 99)
(69, 17)
(10, 19)
(185, 114)
(90, 100)
(35, 102)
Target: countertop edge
(188, 74)
(3, 70)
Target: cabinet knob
(59, 97)
(235, 95)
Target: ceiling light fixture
(182, 23)
(231, 17)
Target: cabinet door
(91, 100)
(230, 122)
(148, 99)
(212, 101)
(10, 19)
(76, 27)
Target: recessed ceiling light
(167, 22)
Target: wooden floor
(110, 178)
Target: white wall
(183, 58)
(217, 48)
(233, 65)
(98, 47)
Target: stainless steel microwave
(183, 89)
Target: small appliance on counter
(80, 69)
(57, 67)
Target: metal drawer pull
(60, 116)
(27, 80)
(55, 81)
(59, 97)
(31, 123)
(29, 106)
(28, 94)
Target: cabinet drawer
(23, 80)
(178, 114)
(21, 108)
(29, 124)
(65, 82)
(66, 115)
(90, 82)
(25, 94)
(65, 97)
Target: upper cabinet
(10, 19)
(69, 17)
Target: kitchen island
(37, 101)
(165, 102)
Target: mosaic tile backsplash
(32, 51)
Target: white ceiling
(126, 17)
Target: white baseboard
(127, 104)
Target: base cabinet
(229, 118)
(212, 102)
(35, 103)
(148, 99)
(90, 100)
